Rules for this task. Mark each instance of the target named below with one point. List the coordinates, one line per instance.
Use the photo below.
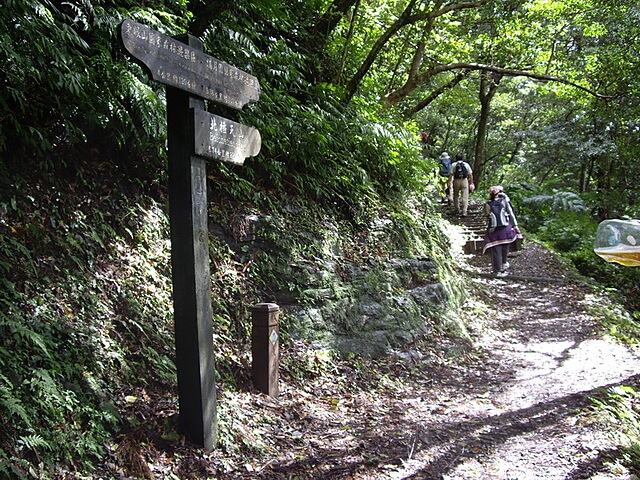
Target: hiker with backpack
(443, 179)
(461, 183)
(503, 195)
(502, 229)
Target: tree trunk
(603, 172)
(330, 19)
(489, 83)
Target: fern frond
(568, 202)
(12, 406)
(537, 200)
(34, 442)
(29, 336)
(557, 202)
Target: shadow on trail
(537, 363)
(543, 313)
(532, 351)
(586, 470)
(441, 446)
(477, 438)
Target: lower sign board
(222, 139)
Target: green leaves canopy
(564, 74)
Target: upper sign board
(176, 64)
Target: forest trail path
(518, 407)
(513, 404)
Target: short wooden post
(265, 348)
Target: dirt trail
(511, 407)
(512, 404)
(515, 412)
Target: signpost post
(191, 76)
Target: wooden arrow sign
(176, 64)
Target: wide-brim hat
(444, 155)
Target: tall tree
(489, 83)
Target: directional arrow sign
(222, 139)
(174, 63)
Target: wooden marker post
(190, 271)
(191, 77)
(265, 348)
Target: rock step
(475, 225)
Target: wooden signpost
(191, 77)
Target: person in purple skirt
(502, 229)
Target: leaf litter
(515, 403)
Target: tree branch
(406, 18)
(352, 85)
(435, 94)
(414, 82)
(417, 59)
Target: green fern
(34, 442)
(568, 202)
(12, 407)
(557, 202)
(27, 335)
(620, 405)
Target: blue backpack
(445, 167)
(498, 216)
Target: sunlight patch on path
(525, 428)
(550, 370)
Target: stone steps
(475, 225)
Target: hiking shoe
(505, 266)
(501, 274)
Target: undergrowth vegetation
(86, 314)
(87, 328)
(618, 407)
(86, 344)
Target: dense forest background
(540, 96)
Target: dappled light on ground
(516, 406)
(513, 402)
